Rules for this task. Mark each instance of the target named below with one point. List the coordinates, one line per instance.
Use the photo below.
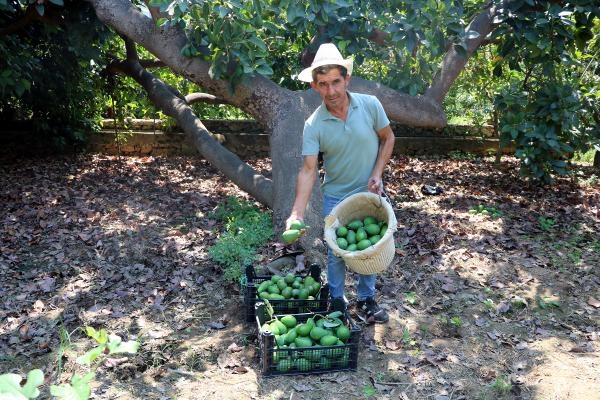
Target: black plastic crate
(287, 306)
(276, 361)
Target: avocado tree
(46, 75)
(408, 54)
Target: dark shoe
(370, 312)
(338, 304)
(431, 190)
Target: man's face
(332, 87)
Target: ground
(493, 293)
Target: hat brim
(306, 74)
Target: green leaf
(35, 378)
(57, 2)
(10, 387)
(335, 314)
(78, 389)
(89, 357)
(531, 36)
(270, 310)
(258, 43)
(116, 345)
(332, 323)
(294, 12)
(264, 70)
(100, 336)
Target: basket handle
(365, 188)
(350, 193)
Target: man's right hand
(292, 218)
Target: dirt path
(501, 304)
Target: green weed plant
(246, 228)
(79, 387)
(482, 209)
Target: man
(353, 134)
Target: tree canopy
(534, 62)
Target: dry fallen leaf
(234, 348)
(593, 302)
(392, 344)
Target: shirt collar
(324, 113)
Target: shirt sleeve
(310, 141)
(380, 118)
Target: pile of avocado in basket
(310, 343)
(288, 287)
(359, 234)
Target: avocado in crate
(287, 293)
(306, 343)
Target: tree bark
(173, 105)
(418, 111)
(454, 62)
(281, 112)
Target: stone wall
(247, 139)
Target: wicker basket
(377, 257)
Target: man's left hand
(375, 185)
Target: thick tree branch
(409, 110)
(166, 43)
(175, 106)
(130, 49)
(203, 98)
(454, 62)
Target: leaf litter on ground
(121, 243)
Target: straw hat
(327, 54)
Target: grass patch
(584, 158)
(246, 228)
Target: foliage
(536, 78)
(493, 212)
(470, 101)
(10, 385)
(546, 223)
(79, 387)
(246, 229)
(106, 344)
(461, 155)
(242, 38)
(549, 110)
(411, 298)
(501, 385)
(509, 82)
(584, 157)
(369, 391)
(46, 76)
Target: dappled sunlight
(565, 370)
(472, 296)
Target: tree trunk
(286, 152)
(280, 111)
(597, 159)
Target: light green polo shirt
(349, 147)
